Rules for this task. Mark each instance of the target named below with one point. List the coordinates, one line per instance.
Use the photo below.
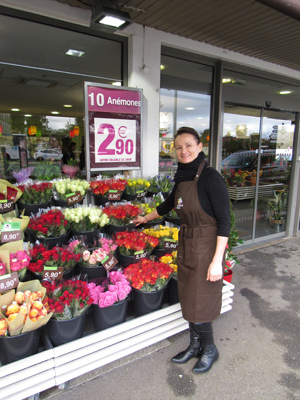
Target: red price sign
(8, 282)
(53, 273)
(11, 236)
(171, 244)
(73, 198)
(139, 255)
(114, 195)
(109, 262)
(6, 206)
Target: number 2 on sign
(122, 145)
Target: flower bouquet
(150, 204)
(9, 192)
(148, 275)
(102, 190)
(51, 224)
(22, 313)
(121, 215)
(161, 184)
(68, 299)
(94, 258)
(19, 261)
(85, 219)
(41, 257)
(168, 237)
(64, 187)
(36, 193)
(130, 243)
(110, 300)
(171, 260)
(136, 188)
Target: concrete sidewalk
(258, 343)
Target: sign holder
(113, 121)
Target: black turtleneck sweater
(212, 194)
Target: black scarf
(187, 172)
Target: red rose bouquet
(122, 214)
(130, 242)
(56, 257)
(101, 188)
(49, 225)
(148, 275)
(67, 299)
(36, 193)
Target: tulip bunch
(83, 219)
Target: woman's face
(187, 148)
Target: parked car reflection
(48, 154)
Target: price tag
(140, 194)
(109, 262)
(73, 198)
(53, 273)
(139, 255)
(6, 206)
(114, 195)
(171, 244)
(10, 232)
(9, 281)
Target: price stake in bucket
(10, 232)
(5, 206)
(109, 262)
(53, 273)
(8, 282)
(171, 244)
(139, 255)
(73, 198)
(114, 195)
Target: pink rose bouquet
(95, 257)
(19, 262)
(112, 290)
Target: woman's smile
(187, 148)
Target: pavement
(258, 342)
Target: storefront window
(185, 100)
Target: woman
(201, 200)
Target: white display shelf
(56, 366)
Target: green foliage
(233, 239)
(46, 171)
(278, 204)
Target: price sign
(171, 244)
(140, 194)
(114, 195)
(10, 232)
(53, 273)
(6, 206)
(8, 282)
(139, 255)
(73, 198)
(109, 262)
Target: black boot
(209, 353)
(192, 350)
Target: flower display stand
(248, 192)
(56, 366)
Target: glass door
(256, 163)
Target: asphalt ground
(258, 342)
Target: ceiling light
(226, 80)
(75, 53)
(68, 106)
(117, 83)
(110, 18)
(15, 109)
(285, 92)
(27, 115)
(54, 112)
(162, 67)
(189, 108)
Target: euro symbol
(122, 132)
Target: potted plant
(136, 188)
(161, 184)
(110, 300)
(68, 301)
(148, 279)
(277, 208)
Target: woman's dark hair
(191, 131)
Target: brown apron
(200, 299)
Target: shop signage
(113, 124)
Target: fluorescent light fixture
(226, 80)
(285, 92)
(162, 67)
(28, 115)
(189, 108)
(68, 106)
(54, 112)
(117, 84)
(110, 18)
(75, 53)
(15, 109)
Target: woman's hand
(139, 220)
(215, 271)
